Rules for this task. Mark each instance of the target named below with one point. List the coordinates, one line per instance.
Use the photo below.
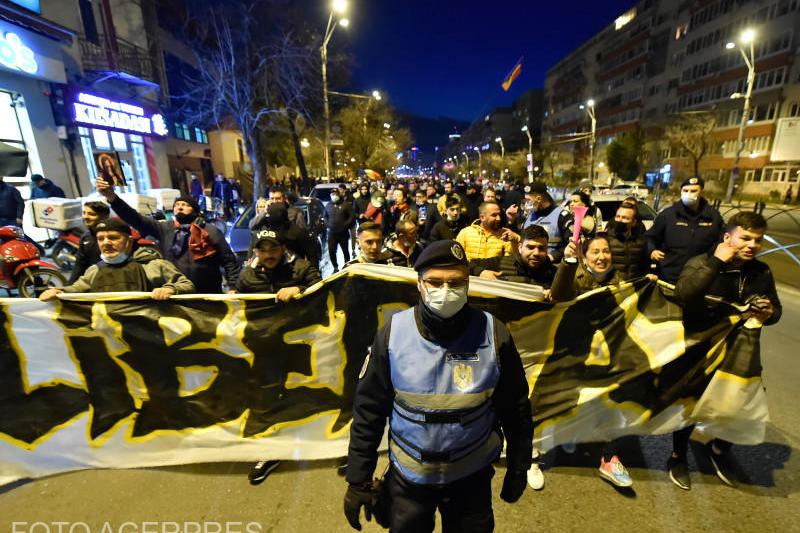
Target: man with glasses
(450, 379)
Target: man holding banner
(731, 273)
(448, 376)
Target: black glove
(363, 494)
(514, 485)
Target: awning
(13, 161)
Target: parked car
(322, 192)
(238, 235)
(630, 188)
(608, 204)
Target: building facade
(661, 59)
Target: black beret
(441, 253)
(268, 235)
(113, 224)
(191, 201)
(694, 180)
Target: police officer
(449, 378)
(689, 227)
(545, 213)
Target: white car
(608, 204)
(630, 188)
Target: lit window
(119, 142)
(101, 140)
(198, 135)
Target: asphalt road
(307, 496)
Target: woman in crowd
(577, 274)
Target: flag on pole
(512, 75)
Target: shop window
(119, 142)
(140, 166)
(101, 139)
(16, 131)
(794, 109)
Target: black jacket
(291, 272)
(11, 203)
(374, 396)
(445, 230)
(339, 216)
(88, 254)
(204, 273)
(629, 251)
(737, 283)
(682, 234)
(513, 268)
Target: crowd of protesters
(508, 231)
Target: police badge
(462, 377)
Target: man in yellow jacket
(485, 237)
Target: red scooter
(22, 267)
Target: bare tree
(249, 74)
(691, 134)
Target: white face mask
(116, 260)
(690, 199)
(445, 301)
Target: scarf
(197, 240)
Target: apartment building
(663, 58)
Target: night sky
(448, 57)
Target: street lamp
(466, 157)
(589, 107)
(338, 7)
(747, 37)
(530, 152)
(480, 159)
(502, 153)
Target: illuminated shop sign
(33, 5)
(91, 110)
(15, 55)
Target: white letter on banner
(59, 524)
(122, 527)
(191, 527)
(170, 527)
(84, 525)
(233, 527)
(14, 527)
(212, 527)
(149, 527)
(253, 527)
(107, 528)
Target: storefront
(120, 132)
(28, 62)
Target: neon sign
(97, 111)
(15, 55)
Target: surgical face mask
(116, 260)
(445, 301)
(690, 199)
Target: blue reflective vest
(443, 426)
(550, 224)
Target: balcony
(120, 56)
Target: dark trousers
(465, 505)
(680, 442)
(334, 240)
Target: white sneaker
(536, 477)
